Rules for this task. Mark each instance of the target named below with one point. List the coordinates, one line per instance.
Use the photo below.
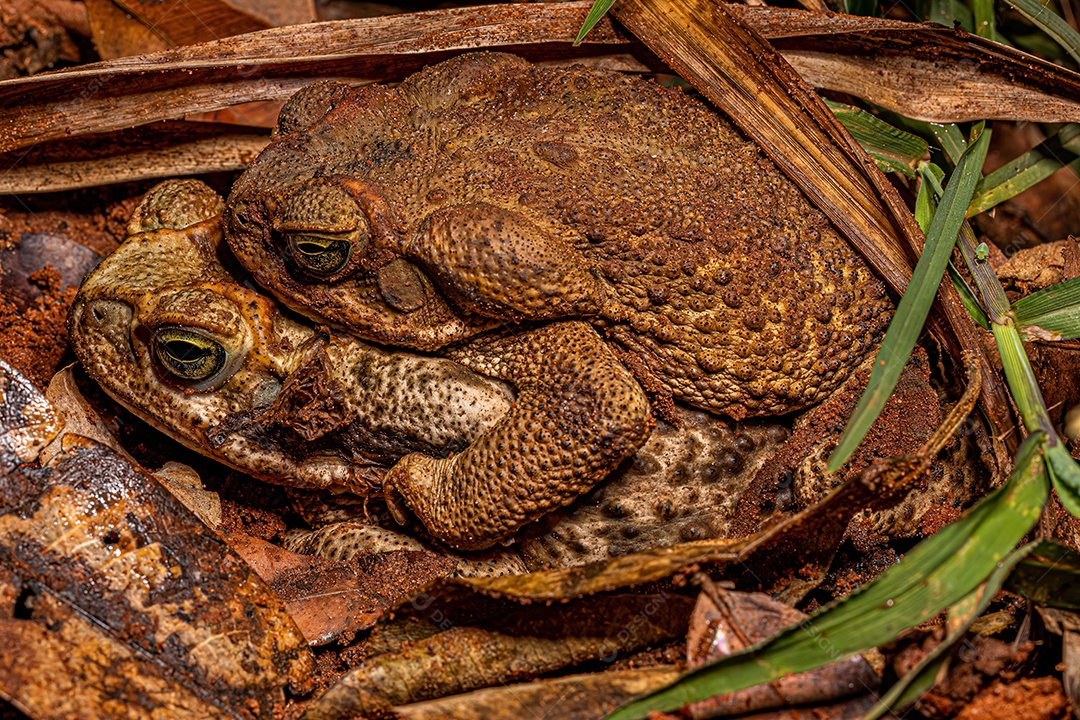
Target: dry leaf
(726, 622)
(118, 602)
(575, 697)
(523, 643)
(329, 600)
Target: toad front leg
(498, 263)
(578, 414)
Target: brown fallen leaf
(76, 417)
(726, 622)
(575, 697)
(331, 600)
(135, 27)
(525, 643)
(272, 64)
(920, 70)
(186, 486)
(118, 602)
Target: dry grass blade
(274, 63)
(212, 154)
(744, 77)
(922, 71)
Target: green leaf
(598, 10)
(1048, 576)
(911, 313)
(1055, 309)
(937, 573)
(1050, 23)
(923, 676)
(1023, 172)
(891, 148)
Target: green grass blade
(985, 22)
(1021, 378)
(993, 296)
(922, 677)
(891, 148)
(1027, 170)
(598, 10)
(937, 573)
(911, 313)
(867, 8)
(1050, 23)
(1055, 310)
(951, 140)
(967, 296)
(1065, 474)
(946, 12)
(929, 191)
(1049, 576)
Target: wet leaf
(117, 598)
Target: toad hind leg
(578, 414)
(498, 263)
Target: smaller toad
(170, 333)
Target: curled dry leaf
(524, 643)
(920, 70)
(76, 417)
(117, 601)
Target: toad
(486, 190)
(172, 334)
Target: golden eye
(188, 355)
(319, 256)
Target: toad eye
(319, 255)
(188, 355)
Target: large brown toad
(165, 328)
(486, 189)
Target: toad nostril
(97, 314)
